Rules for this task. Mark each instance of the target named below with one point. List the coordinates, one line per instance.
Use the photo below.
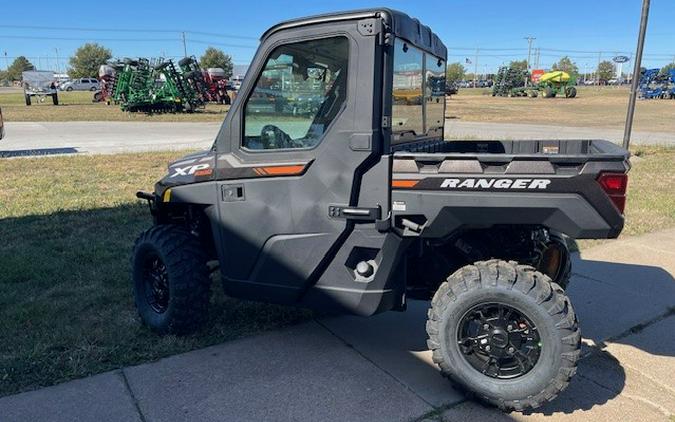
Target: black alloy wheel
(499, 341)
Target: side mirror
(2, 126)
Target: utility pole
(6, 61)
(475, 68)
(184, 45)
(636, 71)
(529, 52)
(597, 71)
(58, 67)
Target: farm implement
(159, 85)
(656, 85)
(511, 83)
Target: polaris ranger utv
(330, 186)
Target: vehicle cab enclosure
(329, 182)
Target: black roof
(400, 24)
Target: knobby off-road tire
(183, 307)
(530, 293)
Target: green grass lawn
(67, 225)
(78, 106)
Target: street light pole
(636, 74)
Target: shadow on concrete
(37, 152)
(614, 300)
(612, 310)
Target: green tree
(455, 72)
(519, 65)
(605, 70)
(214, 57)
(566, 65)
(87, 59)
(19, 64)
(667, 68)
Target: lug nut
(509, 327)
(486, 326)
(487, 348)
(511, 350)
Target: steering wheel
(274, 138)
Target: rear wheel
(171, 280)
(504, 332)
(571, 92)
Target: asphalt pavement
(378, 369)
(47, 138)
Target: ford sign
(621, 59)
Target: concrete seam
(592, 278)
(132, 395)
(637, 328)
(656, 406)
(372, 362)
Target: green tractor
(557, 82)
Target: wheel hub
(156, 284)
(499, 338)
(499, 341)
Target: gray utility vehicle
(360, 204)
(41, 84)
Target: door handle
(354, 213)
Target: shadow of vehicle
(66, 308)
(397, 341)
(37, 152)
(66, 287)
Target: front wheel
(504, 332)
(170, 279)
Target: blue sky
(578, 28)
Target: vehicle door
(291, 156)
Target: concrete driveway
(46, 138)
(378, 369)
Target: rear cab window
(418, 104)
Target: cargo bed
(464, 184)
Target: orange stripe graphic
(403, 183)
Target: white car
(82, 84)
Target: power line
(32, 37)
(90, 29)
(222, 44)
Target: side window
(434, 92)
(407, 89)
(298, 94)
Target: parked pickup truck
(360, 204)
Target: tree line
(89, 57)
(605, 70)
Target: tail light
(614, 185)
